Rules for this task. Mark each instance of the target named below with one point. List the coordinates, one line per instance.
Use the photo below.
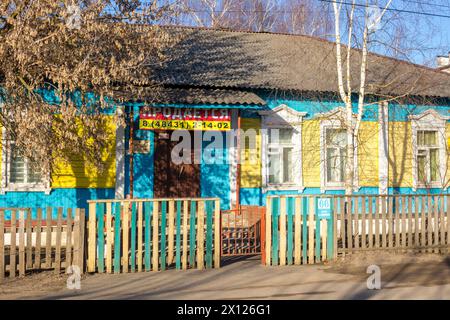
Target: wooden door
(174, 180)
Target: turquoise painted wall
(215, 179)
(401, 112)
(256, 197)
(66, 198)
(314, 107)
(143, 163)
(60, 197)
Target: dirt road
(402, 277)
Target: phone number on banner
(150, 124)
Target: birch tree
(344, 75)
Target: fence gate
(242, 231)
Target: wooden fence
(28, 244)
(153, 234)
(157, 234)
(395, 222)
(294, 233)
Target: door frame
(170, 168)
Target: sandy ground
(403, 276)
(32, 286)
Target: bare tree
(367, 27)
(260, 15)
(72, 49)
(207, 13)
(288, 16)
(306, 17)
(345, 80)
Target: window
(280, 151)
(336, 148)
(427, 156)
(429, 149)
(333, 151)
(20, 171)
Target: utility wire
(428, 3)
(329, 1)
(392, 9)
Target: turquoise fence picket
(148, 209)
(163, 234)
(117, 229)
(275, 233)
(192, 234)
(178, 237)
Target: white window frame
(6, 185)
(429, 120)
(325, 146)
(283, 117)
(278, 151)
(333, 120)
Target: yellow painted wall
(251, 167)
(311, 153)
(368, 154)
(400, 154)
(447, 175)
(1, 148)
(79, 173)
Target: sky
(413, 30)
(422, 35)
(432, 33)
(440, 40)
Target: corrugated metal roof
(192, 96)
(248, 60)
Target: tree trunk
(350, 163)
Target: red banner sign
(153, 118)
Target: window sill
(323, 189)
(430, 186)
(284, 188)
(29, 188)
